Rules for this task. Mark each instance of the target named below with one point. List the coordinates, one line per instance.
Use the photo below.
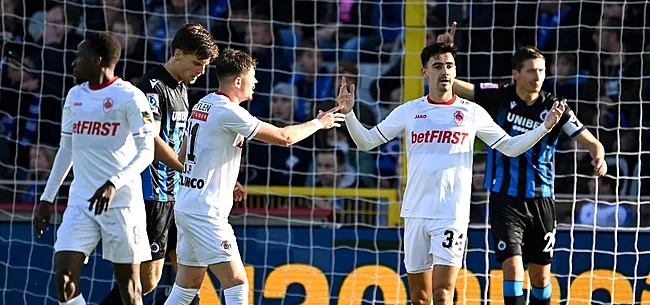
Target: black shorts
(523, 227)
(161, 228)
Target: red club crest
(108, 105)
(458, 117)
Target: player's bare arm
(290, 135)
(166, 155)
(596, 150)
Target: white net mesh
(321, 223)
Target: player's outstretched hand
(448, 38)
(555, 114)
(345, 98)
(101, 200)
(239, 193)
(331, 118)
(42, 218)
(600, 167)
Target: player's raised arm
(367, 139)
(459, 87)
(493, 135)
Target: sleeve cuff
(255, 131)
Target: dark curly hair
(233, 62)
(194, 39)
(106, 45)
(435, 50)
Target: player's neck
(103, 77)
(440, 97)
(526, 96)
(169, 66)
(230, 93)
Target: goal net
(321, 223)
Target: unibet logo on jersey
(520, 123)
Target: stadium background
(321, 224)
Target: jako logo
(439, 136)
(95, 128)
(420, 116)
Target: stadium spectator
(167, 19)
(271, 65)
(606, 211)
(279, 165)
(11, 25)
(40, 162)
(311, 78)
(564, 79)
(137, 57)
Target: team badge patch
(459, 117)
(153, 99)
(108, 105)
(155, 247)
(225, 245)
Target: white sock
(78, 300)
(237, 295)
(181, 296)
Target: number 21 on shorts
(549, 238)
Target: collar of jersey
(104, 84)
(449, 102)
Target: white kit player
(440, 131)
(211, 153)
(107, 132)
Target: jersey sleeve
(486, 129)
(572, 126)
(66, 115)
(237, 119)
(489, 95)
(153, 95)
(392, 125)
(139, 116)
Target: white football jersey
(102, 121)
(215, 136)
(439, 148)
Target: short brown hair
(523, 54)
(233, 62)
(194, 39)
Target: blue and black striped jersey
(168, 101)
(532, 174)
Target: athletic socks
(541, 296)
(78, 300)
(237, 295)
(513, 293)
(181, 296)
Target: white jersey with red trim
(439, 148)
(103, 121)
(215, 136)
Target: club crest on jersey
(542, 116)
(459, 117)
(108, 105)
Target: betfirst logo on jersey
(439, 136)
(95, 128)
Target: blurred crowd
(596, 57)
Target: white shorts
(123, 232)
(429, 242)
(204, 241)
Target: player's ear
(177, 54)
(97, 60)
(237, 81)
(424, 73)
(515, 74)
